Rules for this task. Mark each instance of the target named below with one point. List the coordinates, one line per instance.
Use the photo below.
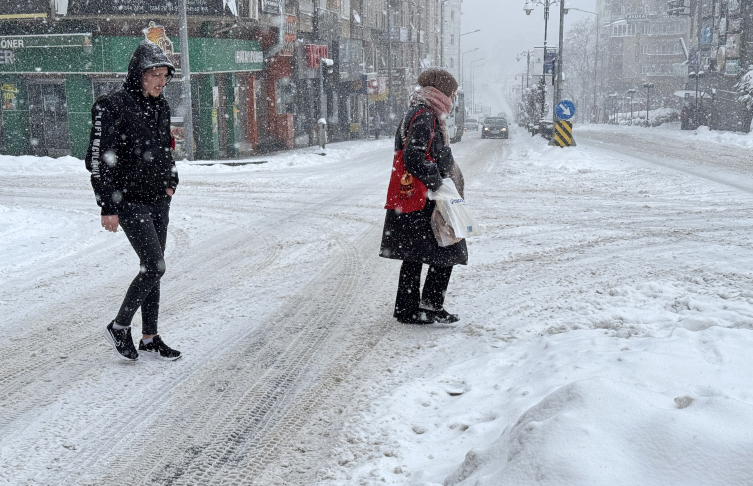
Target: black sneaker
(444, 317)
(418, 317)
(122, 342)
(158, 349)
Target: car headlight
(487, 129)
(504, 129)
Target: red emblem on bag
(406, 193)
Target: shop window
(102, 87)
(173, 93)
(284, 94)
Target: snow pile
(598, 431)
(29, 165)
(605, 337)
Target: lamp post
(697, 77)
(462, 72)
(631, 92)
(648, 87)
(556, 76)
(390, 92)
(527, 55)
(473, 93)
(185, 72)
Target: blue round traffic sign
(565, 110)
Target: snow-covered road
(611, 279)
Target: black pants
(408, 288)
(145, 225)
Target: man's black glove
(445, 161)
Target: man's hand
(110, 223)
(170, 191)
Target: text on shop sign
(11, 43)
(7, 57)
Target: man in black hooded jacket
(134, 177)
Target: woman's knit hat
(438, 78)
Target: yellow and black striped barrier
(563, 134)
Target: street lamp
(631, 92)
(527, 55)
(462, 72)
(648, 87)
(697, 77)
(473, 97)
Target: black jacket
(130, 155)
(408, 236)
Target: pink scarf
(438, 103)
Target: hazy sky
(506, 30)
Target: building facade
(640, 43)
(720, 50)
(256, 78)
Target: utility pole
(185, 72)
(390, 94)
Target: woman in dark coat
(408, 236)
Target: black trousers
(145, 225)
(408, 288)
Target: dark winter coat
(408, 236)
(130, 154)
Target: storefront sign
(636, 17)
(732, 67)
(11, 43)
(247, 57)
(271, 6)
(7, 57)
(87, 8)
(157, 34)
(82, 53)
(733, 46)
(291, 34)
(314, 53)
(9, 96)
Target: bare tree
(579, 68)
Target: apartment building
(641, 44)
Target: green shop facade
(49, 83)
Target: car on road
(471, 124)
(495, 127)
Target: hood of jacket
(147, 55)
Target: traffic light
(677, 7)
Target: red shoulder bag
(406, 193)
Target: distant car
(471, 124)
(495, 127)
(501, 114)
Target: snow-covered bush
(745, 88)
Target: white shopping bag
(454, 210)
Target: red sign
(314, 53)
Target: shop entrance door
(48, 118)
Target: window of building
(452, 39)
(284, 94)
(452, 62)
